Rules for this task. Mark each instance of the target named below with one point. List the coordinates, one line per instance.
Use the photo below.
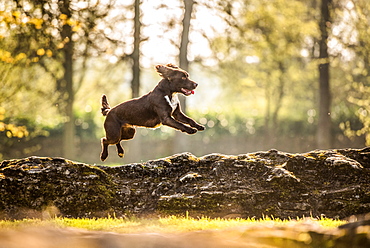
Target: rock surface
(334, 183)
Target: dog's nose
(195, 85)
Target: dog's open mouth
(187, 92)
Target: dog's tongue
(187, 92)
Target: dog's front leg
(180, 116)
(169, 121)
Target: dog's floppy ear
(165, 70)
(172, 66)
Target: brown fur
(150, 110)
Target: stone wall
(333, 183)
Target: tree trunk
(67, 90)
(183, 56)
(135, 83)
(134, 146)
(267, 120)
(184, 43)
(181, 142)
(324, 125)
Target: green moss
(174, 203)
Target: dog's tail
(105, 105)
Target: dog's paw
(103, 157)
(191, 130)
(200, 127)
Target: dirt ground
(295, 235)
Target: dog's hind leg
(120, 150)
(126, 134)
(104, 153)
(113, 135)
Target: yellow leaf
(49, 53)
(19, 134)
(9, 134)
(9, 60)
(76, 28)
(20, 56)
(40, 51)
(5, 55)
(2, 126)
(71, 22)
(63, 17)
(60, 45)
(16, 14)
(37, 22)
(10, 127)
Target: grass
(170, 224)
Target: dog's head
(178, 78)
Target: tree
(324, 136)
(135, 56)
(262, 57)
(180, 141)
(51, 34)
(65, 84)
(184, 42)
(354, 38)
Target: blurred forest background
(286, 74)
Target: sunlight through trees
(284, 74)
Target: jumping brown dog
(160, 106)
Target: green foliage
(265, 63)
(248, 123)
(270, 59)
(360, 98)
(11, 130)
(16, 130)
(45, 47)
(86, 126)
(354, 61)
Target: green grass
(170, 224)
